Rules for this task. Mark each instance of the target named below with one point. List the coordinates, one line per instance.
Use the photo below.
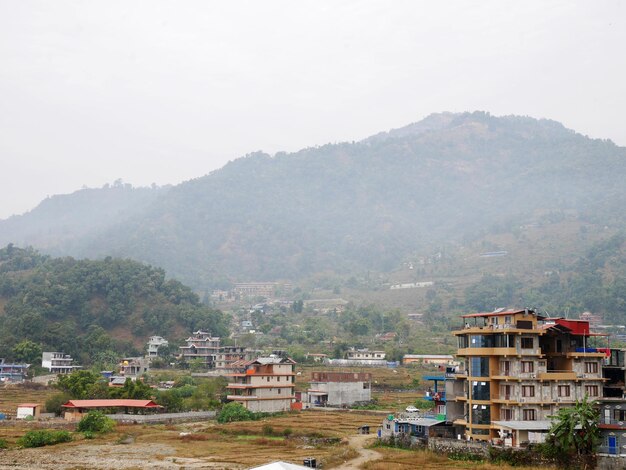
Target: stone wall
(451, 446)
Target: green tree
(95, 421)
(574, 432)
(27, 351)
(234, 411)
(78, 384)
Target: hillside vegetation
(94, 310)
(368, 205)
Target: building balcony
(612, 423)
(498, 352)
(557, 375)
(435, 396)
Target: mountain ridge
(364, 205)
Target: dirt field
(329, 436)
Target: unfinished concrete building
(339, 388)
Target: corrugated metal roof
(111, 403)
(540, 425)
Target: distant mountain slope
(86, 308)
(59, 221)
(367, 205)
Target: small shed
(28, 409)
(365, 429)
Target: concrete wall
(347, 393)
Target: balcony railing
(613, 422)
(435, 396)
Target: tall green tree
(574, 433)
(27, 351)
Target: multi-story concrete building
(339, 388)
(265, 385)
(613, 405)
(519, 368)
(154, 344)
(201, 345)
(58, 362)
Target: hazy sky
(164, 91)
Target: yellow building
(518, 367)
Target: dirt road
(359, 443)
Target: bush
(235, 412)
(287, 432)
(55, 402)
(44, 437)
(3, 444)
(95, 422)
(268, 430)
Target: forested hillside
(353, 207)
(93, 309)
(60, 220)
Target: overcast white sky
(164, 91)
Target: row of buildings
(517, 368)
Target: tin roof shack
(26, 410)
(13, 372)
(75, 409)
(414, 427)
(340, 388)
(58, 362)
(265, 386)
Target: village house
(414, 427)
(76, 409)
(154, 343)
(134, 366)
(58, 363)
(518, 368)
(436, 359)
(265, 384)
(339, 388)
(13, 372)
(28, 410)
(201, 345)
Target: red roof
(126, 403)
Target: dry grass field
(327, 436)
(13, 395)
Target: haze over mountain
(342, 207)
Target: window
(366, 385)
(527, 343)
(619, 415)
(278, 390)
(268, 379)
(528, 367)
(463, 343)
(278, 379)
(591, 367)
(480, 390)
(507, 320)
(528, 390)
(563, 390)
(506, 414)
(591, 390)
(505, 368)
(505, 392)
(529, 415)
(479, 367)
(481, 414)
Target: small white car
(411, 409)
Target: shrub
(44, 437)
(235, 412)
(3, 444)
(287, 432)
(268, 430)
(55, 402)
(95, 422)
